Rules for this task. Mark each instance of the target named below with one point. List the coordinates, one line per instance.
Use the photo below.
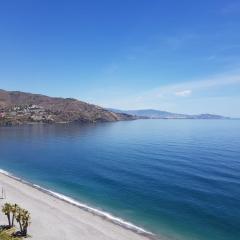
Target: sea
(178, 179)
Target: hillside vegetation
(20, 107)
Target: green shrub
(7, 235)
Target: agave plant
(6, 209)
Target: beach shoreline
(109, 226)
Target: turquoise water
(177, 178)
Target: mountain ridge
(158, 114)
(21, 107)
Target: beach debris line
(21, 215)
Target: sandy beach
(53, 218)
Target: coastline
(114, 228)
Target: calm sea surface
(177, 178)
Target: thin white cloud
(166, 95)
(186, 88)
(171, 97)
(183, 93)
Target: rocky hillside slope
(20, 107)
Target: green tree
(14, 208)
(6, 209)
(25, 221)
(19, 216)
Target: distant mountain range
(157, 114)
(20, 108)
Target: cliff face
(20, 107)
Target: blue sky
(180, 56)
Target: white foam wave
(95, 211)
